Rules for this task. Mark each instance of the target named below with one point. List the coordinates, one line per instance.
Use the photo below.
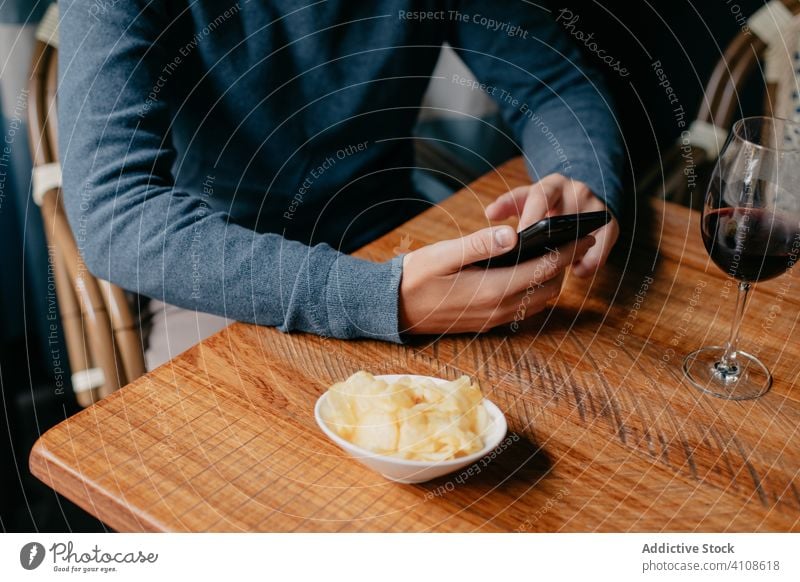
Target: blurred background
(688, 38)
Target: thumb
(452, 255)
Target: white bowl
(406, 471)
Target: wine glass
(751, 230)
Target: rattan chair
(101, 332)
(764, 47)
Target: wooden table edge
(44, 465)
(116, 510)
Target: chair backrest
(101, 332)
(760, 47)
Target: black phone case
(547, 235)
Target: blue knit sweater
(223, 156)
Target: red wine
(750, 244)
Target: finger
(509, 204)
(535, 297)
(528, 303)
(596, 257)
(497, 286)
(450, 256)
(539, 270)
(577, 195)
(503, 295)
(544, 198)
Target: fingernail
(504, 236)
(592, 240)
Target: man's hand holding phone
(555, 195)
(442, 292)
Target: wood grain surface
(606, 434)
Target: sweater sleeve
(137, 230)
(558, 108)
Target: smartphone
(546, 235)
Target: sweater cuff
(601, 186)
(601, 182)
(362, 298)
(575, 157)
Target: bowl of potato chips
(410, 428)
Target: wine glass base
(751, 380)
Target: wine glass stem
(727, 366)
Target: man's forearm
(136, 229)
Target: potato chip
(410, 418)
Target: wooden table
(611, 438)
